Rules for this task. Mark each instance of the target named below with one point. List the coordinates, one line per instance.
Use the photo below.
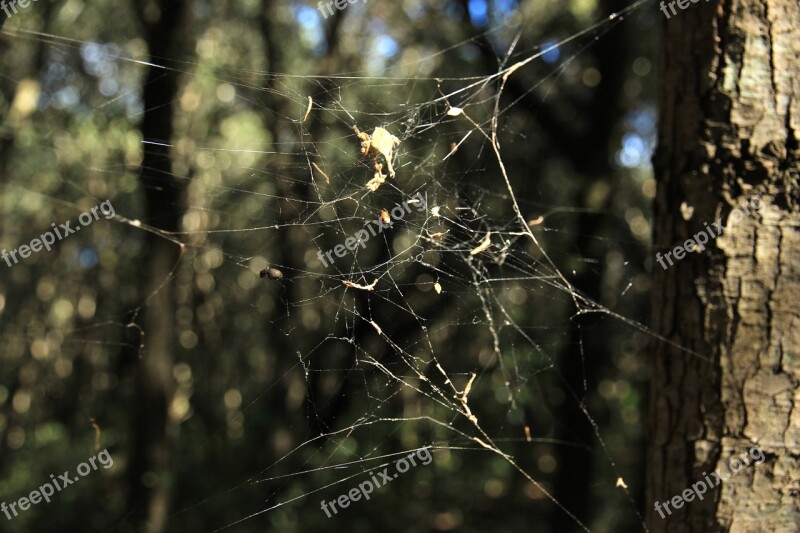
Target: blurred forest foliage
(268, 376)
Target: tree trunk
(165, 204)
(727, 380)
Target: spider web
(441, 330)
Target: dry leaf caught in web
(384, 143)
(377, 180)
(308, 109)
(327, 179)
(366, 141)
(369, 287)
(380, 142)
(484, 245)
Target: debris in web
(308, 109)
(380, 143)
(484, 245)
(369, 287)
(316, 167)
(271, 273)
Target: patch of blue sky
(639, 142)
(550, 52)
(311, 27)
(386, 46)
(479, 13)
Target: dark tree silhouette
(165, 205)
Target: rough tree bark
(165, 204)
(729, 126)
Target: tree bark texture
(725, 377)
